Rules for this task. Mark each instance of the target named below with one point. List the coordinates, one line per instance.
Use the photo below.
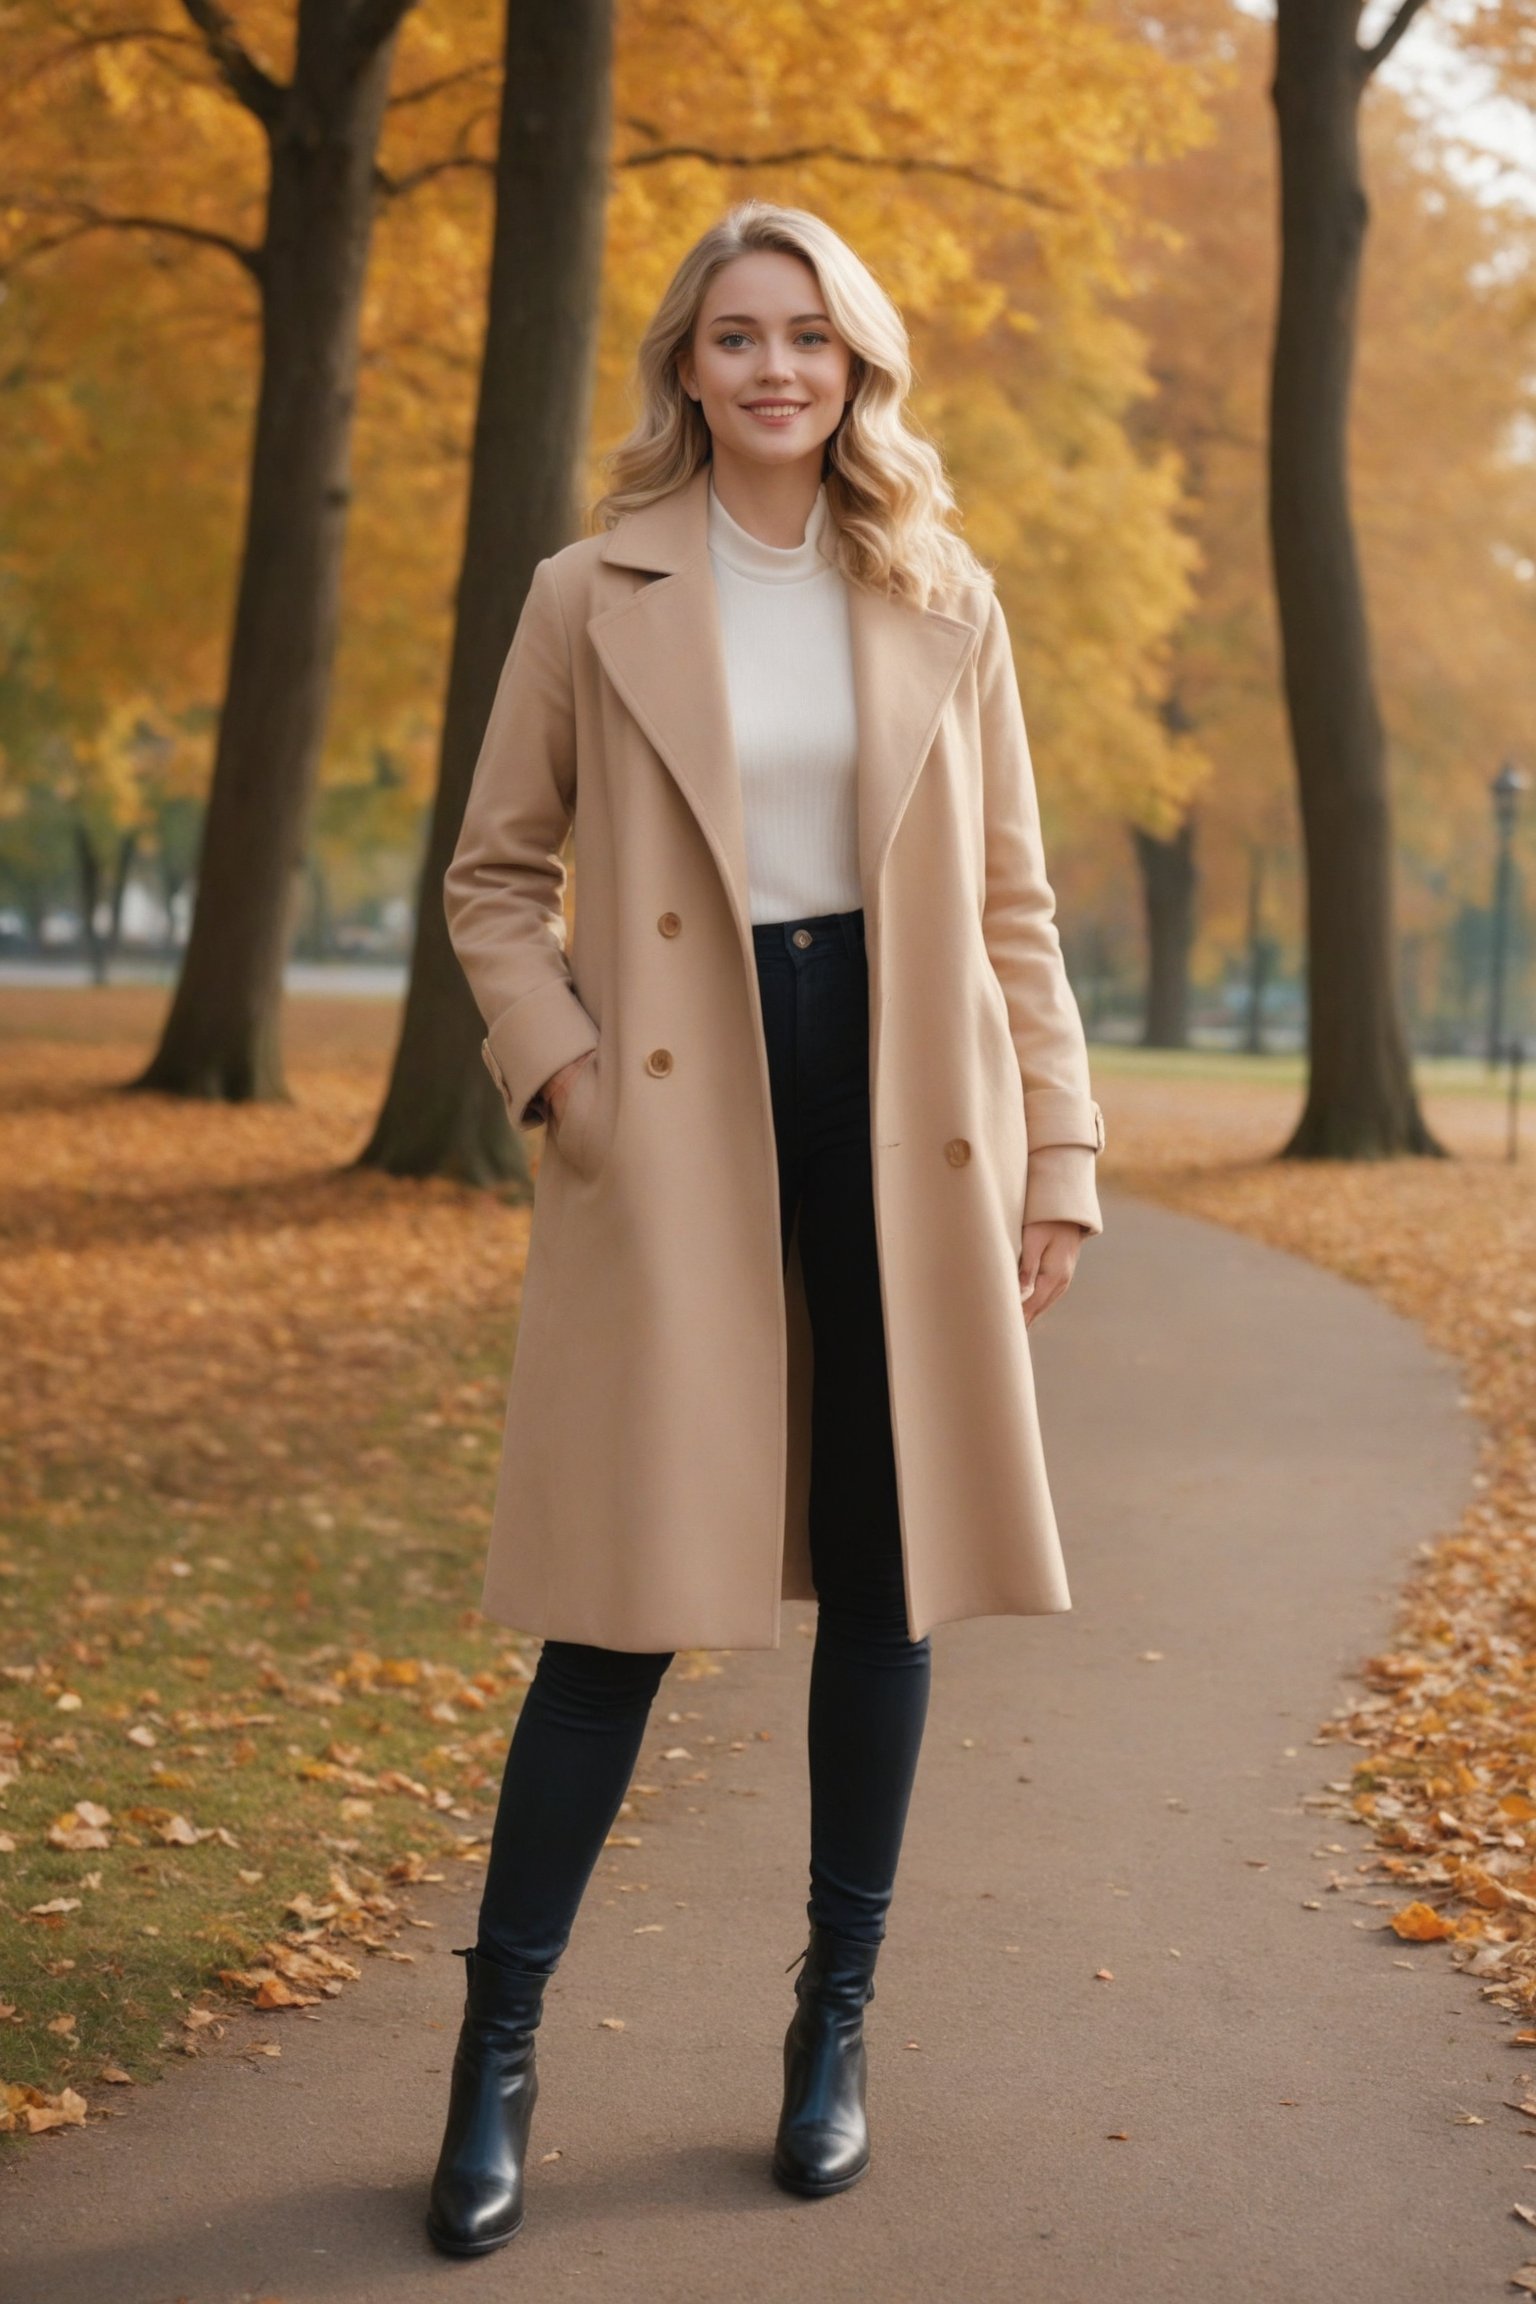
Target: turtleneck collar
(771, 563)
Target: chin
(780, 447)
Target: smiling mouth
(776, 407)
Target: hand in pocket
(557, 1087)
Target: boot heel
(476, 2199)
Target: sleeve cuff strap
(531, 1040)
(1059, 1116)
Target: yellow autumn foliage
(985, 165)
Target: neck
(772, 502)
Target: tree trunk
(1168, 883)
(221, 1037)
(33, 898)
(127, 849)
(1260, 951)
(315, 937)
(88, 879)
(442, 1113)
(1360, 1101)
(171, 884)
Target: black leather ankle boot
(823, 2139)
(476, 2201)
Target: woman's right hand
(558, 1086)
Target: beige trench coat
(655, 1466)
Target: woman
(820, 1142)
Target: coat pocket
(575, 1135)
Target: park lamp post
(1506, 788)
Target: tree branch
(84, 221)
(430, 88)
(1381, 49)
(86, 42)
(239, 71)
(372, 23)
(395, 187)
(794, 155)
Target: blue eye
(735, 334)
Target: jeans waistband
(818, 932)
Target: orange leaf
(272, 1992)
(1418, 1923)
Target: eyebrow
(795, 320)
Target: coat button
(659, 1062)
(957, 1151)
(669, 924)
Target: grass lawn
(246, 1451)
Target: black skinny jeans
(579, 1733)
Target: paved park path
(1245, 1453)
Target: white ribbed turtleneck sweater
(789, 670)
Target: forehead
(769, 282)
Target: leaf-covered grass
(247, 1449)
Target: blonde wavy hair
(887, 491)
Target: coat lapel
(663, 651)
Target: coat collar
(663, 651)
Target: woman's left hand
(1046, 1265)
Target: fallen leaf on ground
(80, 1828)
(1420, 1924)
(32, 2111)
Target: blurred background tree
(1076, 211)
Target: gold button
(957, 1151)
(669, 924)
(802, 937)
(659, 1062)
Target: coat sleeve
(504, 886)
(1065, 1125)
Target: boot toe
(469, 2220)
(813, 2161)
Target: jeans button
(802, 937)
